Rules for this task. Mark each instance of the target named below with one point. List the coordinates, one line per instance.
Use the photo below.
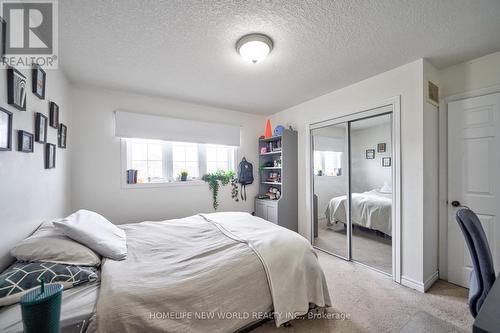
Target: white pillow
(97, 233)
(49, 244)
(386, 189)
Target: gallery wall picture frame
(386, 162)
(3, 36)
(370, 154)
(38, 79)
(41, 123)
(25, 141)
(50, 156)
(62, 135)
(53, 115)
(16, 89)
(5, 130)
(382, 147)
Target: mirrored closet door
(351, 166)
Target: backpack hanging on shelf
(245, 176)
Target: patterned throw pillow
(21, 277)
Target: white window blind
(143, 126)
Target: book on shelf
(131, 176)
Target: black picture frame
(386, 162)
(3, 36)
(25, 141)
(370, 154)
(16, 89)
(41, 126)
(53, 115)
(38, 79)
(50, 156)
(5, 130)
(382, 147)
(62, 136)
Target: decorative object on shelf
(386, 161)
(38, 81)
(269, 131)
(62, 134)
(50, 156)
(184, 175)
(263, 150)
(245, 176)
(273, 193)
(16, 89)
(40, 128)
(5, 129)
(381, 147)
(370, 154)
(131, 176)
(278, 130)
(53, 115)
(25, 141)
(221, 178)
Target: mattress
(78, 305)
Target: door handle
(455, 203)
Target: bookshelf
(277, 198)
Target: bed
(372, 210)
(219, 272)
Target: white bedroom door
(473, 177)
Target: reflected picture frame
(370, 154)
(386, 162)
(62, 135)
(16, 89)
(53, 115)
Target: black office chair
(483, 275)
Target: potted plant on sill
(184, 175)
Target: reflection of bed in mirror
(371, 210)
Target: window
(185, 157)
(327, 163)
(219, 158)
(162, 161)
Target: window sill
(195, 182)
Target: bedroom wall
(405, 81)
(96, 164)
(30, 194)
(369, 174)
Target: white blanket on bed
(212, 265)
(294, 275)
(371, 210)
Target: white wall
(369, 174)
(406, 81)
(30, 194)
(96, 170)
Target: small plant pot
(183, 178)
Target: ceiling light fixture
(254, 47)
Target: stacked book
(131, 176)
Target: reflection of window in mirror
(327, 163)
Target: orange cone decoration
(269, 132)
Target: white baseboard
(419, 286)
(431, 280)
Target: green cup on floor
(41, 309)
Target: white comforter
(371, 210)
(208, 265)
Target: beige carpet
(367, 247)
(374, 303)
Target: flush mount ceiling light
(254, 47)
